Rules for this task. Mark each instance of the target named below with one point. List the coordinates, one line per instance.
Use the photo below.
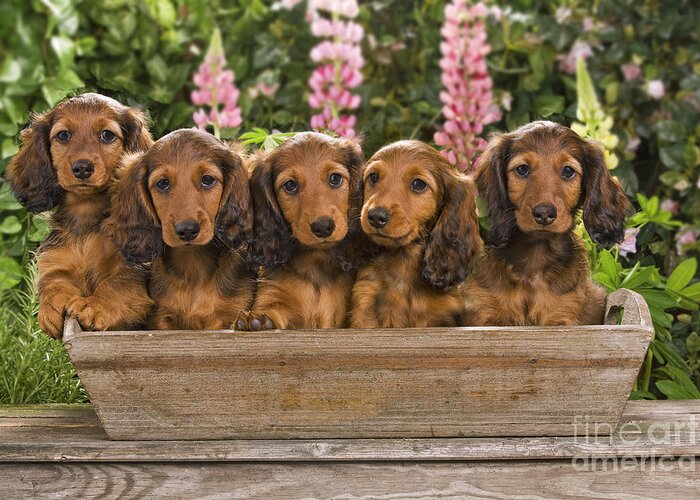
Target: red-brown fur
(80, 271)
(534, 273)
(305, 280)
(199, 282)
(429, 242)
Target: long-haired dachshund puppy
(534, 181)
(422, 213)
(66, 160)
(185, 205)
(306, 195)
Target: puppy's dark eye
(373, 178)
(335, 180)
(63, 136)
(107, 136)
(568, 173)
(418, 185)
(291, 186)
(163, 185)
(522, 170)
(208, 181)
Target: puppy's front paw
(50, 318)
(251, 321)
(92, 313)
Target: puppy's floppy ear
(454, 241)
(492, 183)
(234, 222)
(30, 173)
(272, 242)
(604, 201)
(135, 129)
(351, 252)
(132, 224)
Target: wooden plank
(435, 382)
(651, 428)
(561, 479)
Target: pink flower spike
(215, 90)
(467, 97)
(340, 60)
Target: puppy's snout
(187, 230)
(378, 217)
(82, 169)
(323, 227)
(544, 215)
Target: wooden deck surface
(61, 451)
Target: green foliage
(34, 368)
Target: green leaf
(672, 357)
(642, 200)
(10, 273)
(64, 48)
(604, 280)
(652, 207)
(10, 225)
(163, 12)
(547, 105)
(10, 70)
(658, 298)
(659, 316)
(610, 267)
(673, 390)
(682, 275)
(640, 394)
(637, 278)
(692, 291)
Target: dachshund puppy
(66, 160)
(185, 205)
(534, 181)
(306, 195)
(422, 213)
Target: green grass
(33, 367)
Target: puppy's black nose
(544, 215)
(323, 227)
(188, 230)
(82, 169)
(378, 217)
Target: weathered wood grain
(615, 479)
(412, 383)
(57, 433)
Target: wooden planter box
(418, 382)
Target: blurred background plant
(643, 57)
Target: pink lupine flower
(567, 63)
(340, 62)
(629, 244)
(467, 99)
(588, 24)
(670, 206)
(631, 71)
(655, 89)
(215, 90)
(685, 237)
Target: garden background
(643, 58)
